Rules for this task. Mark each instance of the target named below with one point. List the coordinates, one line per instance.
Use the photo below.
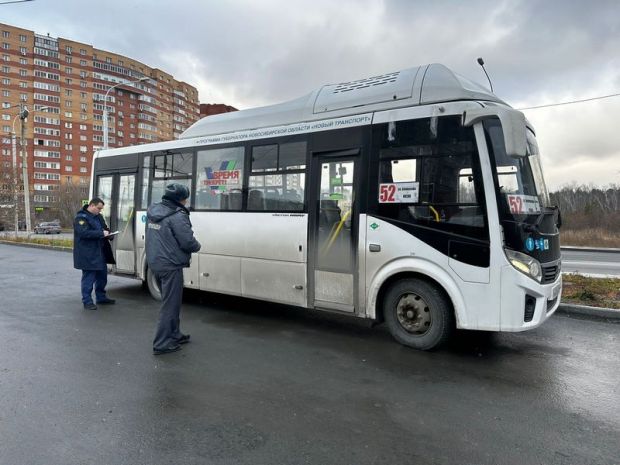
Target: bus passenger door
(333, 232)
(118, 193)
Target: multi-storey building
(63, 83)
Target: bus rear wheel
(418, 314)
(153, 285)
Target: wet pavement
(269, 384)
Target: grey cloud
(252, 53)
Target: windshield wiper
(535, 227)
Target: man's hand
(106, 233)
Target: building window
(22, 38)
(69, 59)
(23, 50)
(6, 34)
(68, 49)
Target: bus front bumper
(526, 303)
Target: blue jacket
(170, 240)
(88, 241)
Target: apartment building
(63, 84)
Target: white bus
(415, 198)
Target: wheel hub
(413, 314)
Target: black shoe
(184, 339)
(90, 307)
(106, 302)
(167, 350)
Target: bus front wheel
(418, 314)
(153, 285)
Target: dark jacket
(170, 240)
(90, 250)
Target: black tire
(418, 314)
(153, 285)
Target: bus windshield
(522, 189)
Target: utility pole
(15, 179)
(23, 114)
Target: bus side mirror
(513, 126)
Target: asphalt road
(591, 262)
(269, 384)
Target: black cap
(176, 192)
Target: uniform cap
(176, 192)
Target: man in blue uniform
(91, 252)
(170, 243)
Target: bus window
(146, 168)
(431, 179)
(219, 179)
(278, 178)
(104, 192)
(171, 168)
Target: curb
(577, 248)
(37, 246)
(594, 312)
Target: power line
(15, 1)
(571, 102)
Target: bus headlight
(525, 264)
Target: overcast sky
(250, 53)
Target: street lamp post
(23, 114)
(15, 196)
(105, 107)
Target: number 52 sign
(399, 192)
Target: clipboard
(113, 233)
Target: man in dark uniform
(91, 252)
(169, 245)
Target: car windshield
(521, 186)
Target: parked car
(48, 228)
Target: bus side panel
(401, 252)
(260, 255)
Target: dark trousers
(97, 278)
(171, 286)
